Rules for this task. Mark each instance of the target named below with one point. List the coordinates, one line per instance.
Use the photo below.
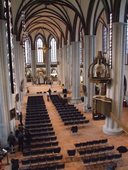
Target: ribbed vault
(65, 17)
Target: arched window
(110, 41)
(81, 53)
(104, 40)
(9, 35)
(126, 49)
(53, 50)
(81, 48)
(27, 51)
(39, 46)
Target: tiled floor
(66, 139)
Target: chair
(102, 159)
(71, 152)
(57, 150)
(103, 141)
(111, 166)
(60, 166)
(95, 160)
(74, 129)
(87, 161)
(77, 145)
(110, 157)
(58, 157)
(82, 152)
(122, 149)
(89, 151)
(117, 156)
(50, 158)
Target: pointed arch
(53, 46)
(27, 51)
(39, 43)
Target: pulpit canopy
(99, 70)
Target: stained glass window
(10, 45)
(110, 41)
(104, 41)
(126, 43)
(53, 50)
(39, 50)
(27, 51)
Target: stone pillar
(4, 86)
(88, 59)
(59, 58)
(75, 72)
(116, 92)
(18, 67)
(17, 72)
(21, 62)
(48, 62)
(70, 66)
(65, 67)
(16, 45)
(33, 58)
(63, 64)
(21, 65)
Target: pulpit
(99, 73)
(102, 105)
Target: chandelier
(45, 48)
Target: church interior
(64, 84)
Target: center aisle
(65, 137)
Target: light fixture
(45, 48)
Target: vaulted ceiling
(63, 19)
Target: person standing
(49, 91)
(20, 118)
(11, 141)
(47, 96)
(14, 164)
(20, 141)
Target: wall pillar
(33, 59)
(4, 86)
(116, 92)
(48, 62)
(59, 55)
(88, 59)
(65, 66)
(70, 66)
(64, 50)
(75, 72)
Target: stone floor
(66, 139)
